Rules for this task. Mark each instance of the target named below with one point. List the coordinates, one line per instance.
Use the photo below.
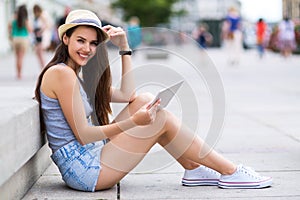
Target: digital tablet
(166, 95)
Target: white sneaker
(200, 176)
(244, 177)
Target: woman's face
(82, 45)
(37, 13)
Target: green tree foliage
(150, 12)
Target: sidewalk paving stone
(261, 130)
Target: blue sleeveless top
(58, 130)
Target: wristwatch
(127, 52)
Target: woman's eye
(95, 43)
(80, 41)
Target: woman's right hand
(145, 115)
(117, 36)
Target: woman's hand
(146, 115)
(117, 36)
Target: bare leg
(20, 52)
(127, 149)
(39, 52)
(186, 145)
(187, 164)
(141, 101)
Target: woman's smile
(82, 45)
(84, 56)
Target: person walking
(42, 32)
(233, 37)
(286, 36)
(19, 31)
(61, 20)
(94, 153)
(134, 32)
(202, 36)
(261, 34)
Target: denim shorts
(79, 165)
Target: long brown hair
(22, 16)
(96, 76)
(97, 83)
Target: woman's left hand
(117, 36)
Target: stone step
(24, 154)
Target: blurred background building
(291, 8)
(210, 12)
(201, 10)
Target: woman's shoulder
(59, 74)
(56, 78)
(61, 70)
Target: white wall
(4, 19)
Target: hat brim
(63, 28)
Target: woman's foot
(18, 77)
(245, 178)
(200, 176)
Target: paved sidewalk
(261, 130)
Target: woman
(261, 31)
(234, 36)
(42, 32)
(287, 41)
(19, 30)
(96, 157)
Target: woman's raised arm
(126, 92)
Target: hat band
(79, 21)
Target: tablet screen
(166, 95)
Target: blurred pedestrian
(261, 36)
(62, 19)
(42, 31)
(19, 31)
(273, 43)
(134, 32)
(287, 40)
(202, 36)
(232, 35)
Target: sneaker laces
(203, 172)
(249, 171)
(211, 171)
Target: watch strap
(127, 52)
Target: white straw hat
(81, 17)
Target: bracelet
(128, 52)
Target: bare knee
(137, 103)
(143, 98)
